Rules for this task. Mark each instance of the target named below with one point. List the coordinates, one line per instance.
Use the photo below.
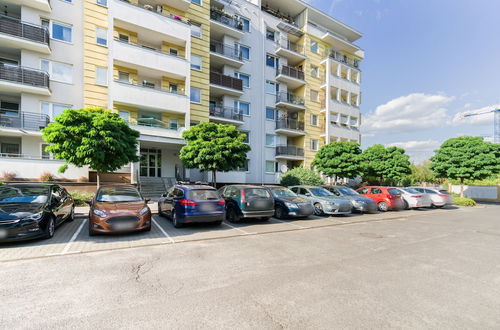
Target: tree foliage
(339, 159)
(214, 147)
(389, 165)
(301, 176)
(91, 136)
(422, 173)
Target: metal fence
(22, 75)
(289, 98)
(225, 50)
(226, 81)
(291, 72)
(286, 123)
(18, 28)
(226, 112)
(289, 151)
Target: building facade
(287, 75)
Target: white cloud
(410, 113)
(419, 151)
(484, 119)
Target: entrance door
(150, 162)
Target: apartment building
(286, 74)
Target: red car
(387, 198)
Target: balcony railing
(25, 120)
(20, 29)
(152, 49)
(226, 19)
(287, 44)
(25, 156)
(145, 85)
(290, 72)
(289, 98)
(276, 13)
(292, 124)
(289, 151)
(158, 10)
(22, 75)
(226, 113)
(225, 50)
(226, 81)
(152, 122)
(343, 58)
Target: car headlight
(290, 205)
(144, 211)
(330, 203)
(99, 213)
(35, 217)
(357, 203)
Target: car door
(67, 202)
(376, 194)
(56, 204)
(163, 201)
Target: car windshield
(347, 191)
(283, 192)
(320, 192)
(411, 190)
(203, 195)
(256, 192)
(394, 191)
(34, 195)
(118, 194)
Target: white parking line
(291, 224)
(162, 230)
(70, 242)
(238, 229)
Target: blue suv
(192, 203)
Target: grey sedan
(359, 203)
(324, 201)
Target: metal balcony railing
(17, 28)
(225, 50)
(152, 122)
(226, 19)
(226, 81)
(148, 48)
(289, 98)
(291, 72)
(343, 58)
(276, 13)
(147, 85)
(226, 113)
(22, 75)
(287, 44)
(289, 151)
(293, 124)
(25, 120)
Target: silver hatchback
(324, 201)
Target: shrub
(80, 197)
(82, 179)
(47, 176)
(8, 176)
(301, 176)
(463, 201)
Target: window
(101, 76)
(123, 37)
(314, 144)
(196, 62)
(271, 87)
(123, 76)
(198, 2)
(242, 107)
(246, 24)
(102, 2)
(314, 120)
(173, 88)
(58, 71)
(101, 36)
(270, 35)
(243, 50)
(52, 109)
(195, 95)
(44, 152)
(271, 61)
(10, 148)
(244, 77)
(173, 123)
(271, 166)
(175, 52)
(243, 169)
(314, 46)
(270, 140)
(314, 71)
(196, 29)
(271, 113)
(376, 191)
(247, 136)
(125, 115)
(62, 31)
(314, 95)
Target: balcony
(15, 33)
(43, 5)
(291, 51)
(341, 108)
(221, 54)
(344, 59)
(287, 24)
(290, 127)
(290, 152)
(155, 127)
(155, 21)
(149, 98)
(293, 77)
(182, 5)
(225, 85)
(343, 84)
(226, 115)
(290, 101)
(23, 120)
(138, 56)
(344, 132)
(224, 24)
(18, 79)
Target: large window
(195, 96)
(271, 167)
(62, 31)
(125, 115)
(198, 2)
(58, 71)
(246, 24)
(247, 136)
(102, 2)
(244, 77)
(244, 50)
(196, 29)
(244, 168)
(314, 47)
(271, 61)
(314, 71)
(195, 62)
(314, 120)
(314, 144)
(270, 34)
(270, 140)
(53, 109)
(271, 87)
(101, 36)
(271, 113)
(101, 76)
(314, 95)
(242, 107)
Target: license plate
(207, 207)
(123, 226)
(260, 203)
(3, 233)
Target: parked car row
(35, 210)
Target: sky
(427, 62)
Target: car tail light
(221, 202)
(187, 202)
(443, 195)
(416, 196)
(243, 198)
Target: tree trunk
(335, 182)
(461, 187)
(214, 178)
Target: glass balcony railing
(156, 123)
(289, 151)
(292, 124)
(226, 19)
(290, 72)
(226, 113)
(291, 46)
(225, 50)
(289, 98)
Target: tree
(214, 147)
(422, 173)
(301, 176)
(389, 165)
(466, 157)
(94, 137)
(339, 159)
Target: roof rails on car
(190, 183)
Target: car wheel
(318, 209)
(51, 228)
(71, 216)
(439, 207)
(279, 212)
(148, 228)
(175, 220)
(233, 215)
(91, 232)
(383, 207)
(405, 205)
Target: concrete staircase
(154, 187)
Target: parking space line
(72, 239)
(163, 230)
(238, 229)
(291, 224)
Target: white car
(414, 199)
(438, 198)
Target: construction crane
(496, 134)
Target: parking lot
(73, 237)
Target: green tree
(91, 136)
(422, 173)
(389, 165)
(214, 147)
(466, 157)
(301, 176)
(339, 159)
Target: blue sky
(426, 62)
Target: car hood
(295, 199)
(15, 211)
(120, 206)
(338, 199)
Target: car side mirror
(89, 202)
(163, 195)
(308, 194)
(147, 200)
